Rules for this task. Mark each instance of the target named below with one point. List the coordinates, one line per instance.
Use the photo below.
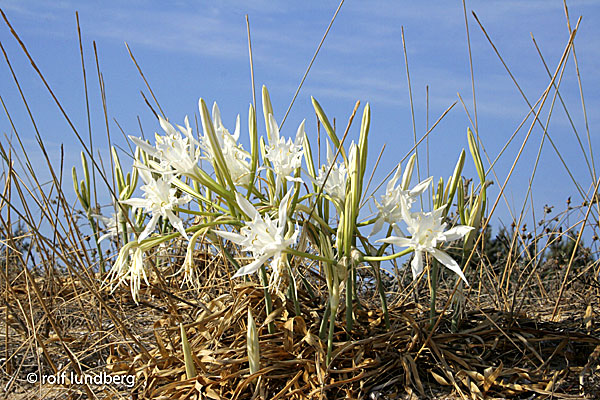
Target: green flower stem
(390, 257)
(367, 222)
(308, 255)
(321, 221)
(187, 189)
(201, 213)
(384, 308)
(268, 301)
(96, 237)
(330, 334)
(324, 320)
(349, 295)
(292, 290)
(124, 232)
(434, 279)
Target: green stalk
(434, 279)
(268, 301)
(96, 237)
(330, 333)
(309, 255)
(390, 257)
(292, 289)
(324, 320)
(349, 295)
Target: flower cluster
(254, 203)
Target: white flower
(334, 184)
(285, 156)
(427, 232)
(113, 225)
(236, 158)
(188, 268)
(264, 237)
(134, 272)
(390, 208)
(159, 199)
(176, 154)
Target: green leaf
(330, 132)
(220, 166)
(267, 109)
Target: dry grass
(493, 354)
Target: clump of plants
(271, 210)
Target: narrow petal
(236, 133)
(457, 232)
(377, 226)
(135, 202)
(177, 223)
(398, 241)
(300, 133)
(274, 129)
(167, 127)
(216, 115)
(144, 172)
(330, 154)
(233, 237)
(149, 228)
(142, 144)
(448, 262)
(397, 230)
(283, 208)
(394, 179)
(421, 187)
(252, 267)
(416, 264)
(246, 206)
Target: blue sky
(189, 50)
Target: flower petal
(252, 267)
(233, 237)
(398, 241)
(142, 144)
(448, 262)
(167, 127)
(283, 208)
(246, 206)
(421, 187)
(416, 264)
(392, 182)
(377, 226)
(457, 232)
(149, 228)
(177, 223)
(300, 134)
(274, 129)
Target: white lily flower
(390, 208)
(113, 225)
(335, 184)
(134, 272)
(285, 156)
(264, 237)
(176, 153)
(188, 268)
(427, 232)
(159, 199)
